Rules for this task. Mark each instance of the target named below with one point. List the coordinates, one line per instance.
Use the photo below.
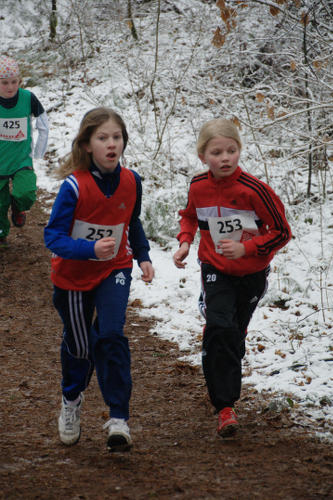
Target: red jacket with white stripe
(235, 197)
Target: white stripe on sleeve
(42, 126)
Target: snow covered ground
(289, 345)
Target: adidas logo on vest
(120, 278)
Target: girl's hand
(232, 249)
(147, 271)
(181, 254)
(104, 248)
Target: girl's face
(106, 145)
(222, 156)
(9, 87)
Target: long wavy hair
(79, 158)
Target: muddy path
(176, 452)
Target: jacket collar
(109, 175)
(225, 181)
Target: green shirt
(15, 135)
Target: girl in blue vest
(94, 233)
(17, 177)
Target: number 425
(11, 124)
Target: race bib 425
(14, 129)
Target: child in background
(242, 224)
(17, 107)
(94, 232)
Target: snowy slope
(290, 348)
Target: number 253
(228, 226)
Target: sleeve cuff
(250, 247)
(143, 257)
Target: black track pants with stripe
(229, 304)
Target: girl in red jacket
(242, 225)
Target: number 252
(98, 234)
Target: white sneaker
(119, 435)
(69, 422)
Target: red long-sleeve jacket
(231, 200)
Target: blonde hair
(214, 128)
(79, 158)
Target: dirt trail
(176, 452)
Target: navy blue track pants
(97, 340)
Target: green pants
(20, 188)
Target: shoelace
(70, 416)
(228, 413)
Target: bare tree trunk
(53, 20)
(130, 20)
(308, 112)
